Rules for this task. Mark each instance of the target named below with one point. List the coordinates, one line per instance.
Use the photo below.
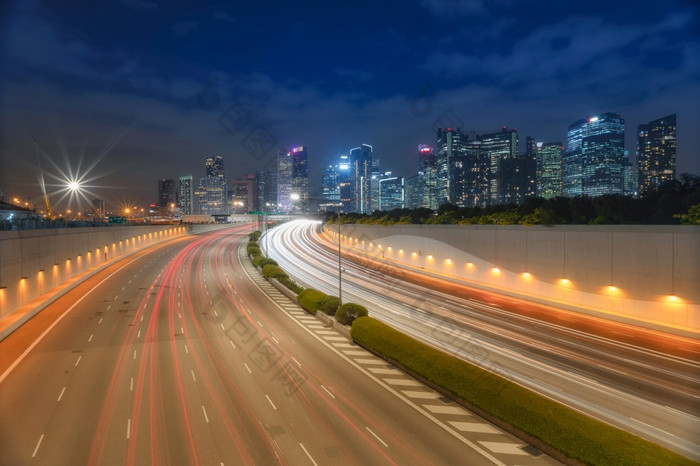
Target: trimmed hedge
(254, 236)
(262, 261)
(253, 251)
(274, 271)
(330, 305)
(291, 285)
(311, 299)
(348, 312)
(572, 433)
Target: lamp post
(296, 197)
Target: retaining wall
(643, 273)
(32, 262)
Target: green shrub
(254, 236)
(330, 305)
(253, 251)
(348, 312)
(574, 434)
(253, 243)
(311, 299)
(262, 261)
(291, 285)
(274, 271)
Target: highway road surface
(178, 355)
(643, 381)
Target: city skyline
(199, 88)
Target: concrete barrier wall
(32, 262)
(645, 273)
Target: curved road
(642, 381)
(176, 356)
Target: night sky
(139, 90)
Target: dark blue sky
(142, 90)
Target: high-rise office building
(595, 156)
(300, 177)
(284, 181)
(330, 185)
(549, 159)
(413, 189)
(166, 194)
(427, 164)
(374, 185)
(213, 199)
(361, 173)
(498, 146)
(185, 197)
(391, 192)
(518, 178)
(346, 184)
(267, 190)
(212, 196)
(656, 153)
(243, 194)
(451, 150)
(215, 166)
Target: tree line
(675, 202)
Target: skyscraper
(391, 192)
(374, 186)
(498, 146)
(346, 185)
(284, 181)
(451, 149)
(243, 194)
(166, 194)
(330, 183)
(215, 166)
(267, 190)
(595, 156)
(361, 173)
(413, 188)
(428, 166)
(300, 177)
(549, 181)
(185, 195)
(656, 153)
(212, 188)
